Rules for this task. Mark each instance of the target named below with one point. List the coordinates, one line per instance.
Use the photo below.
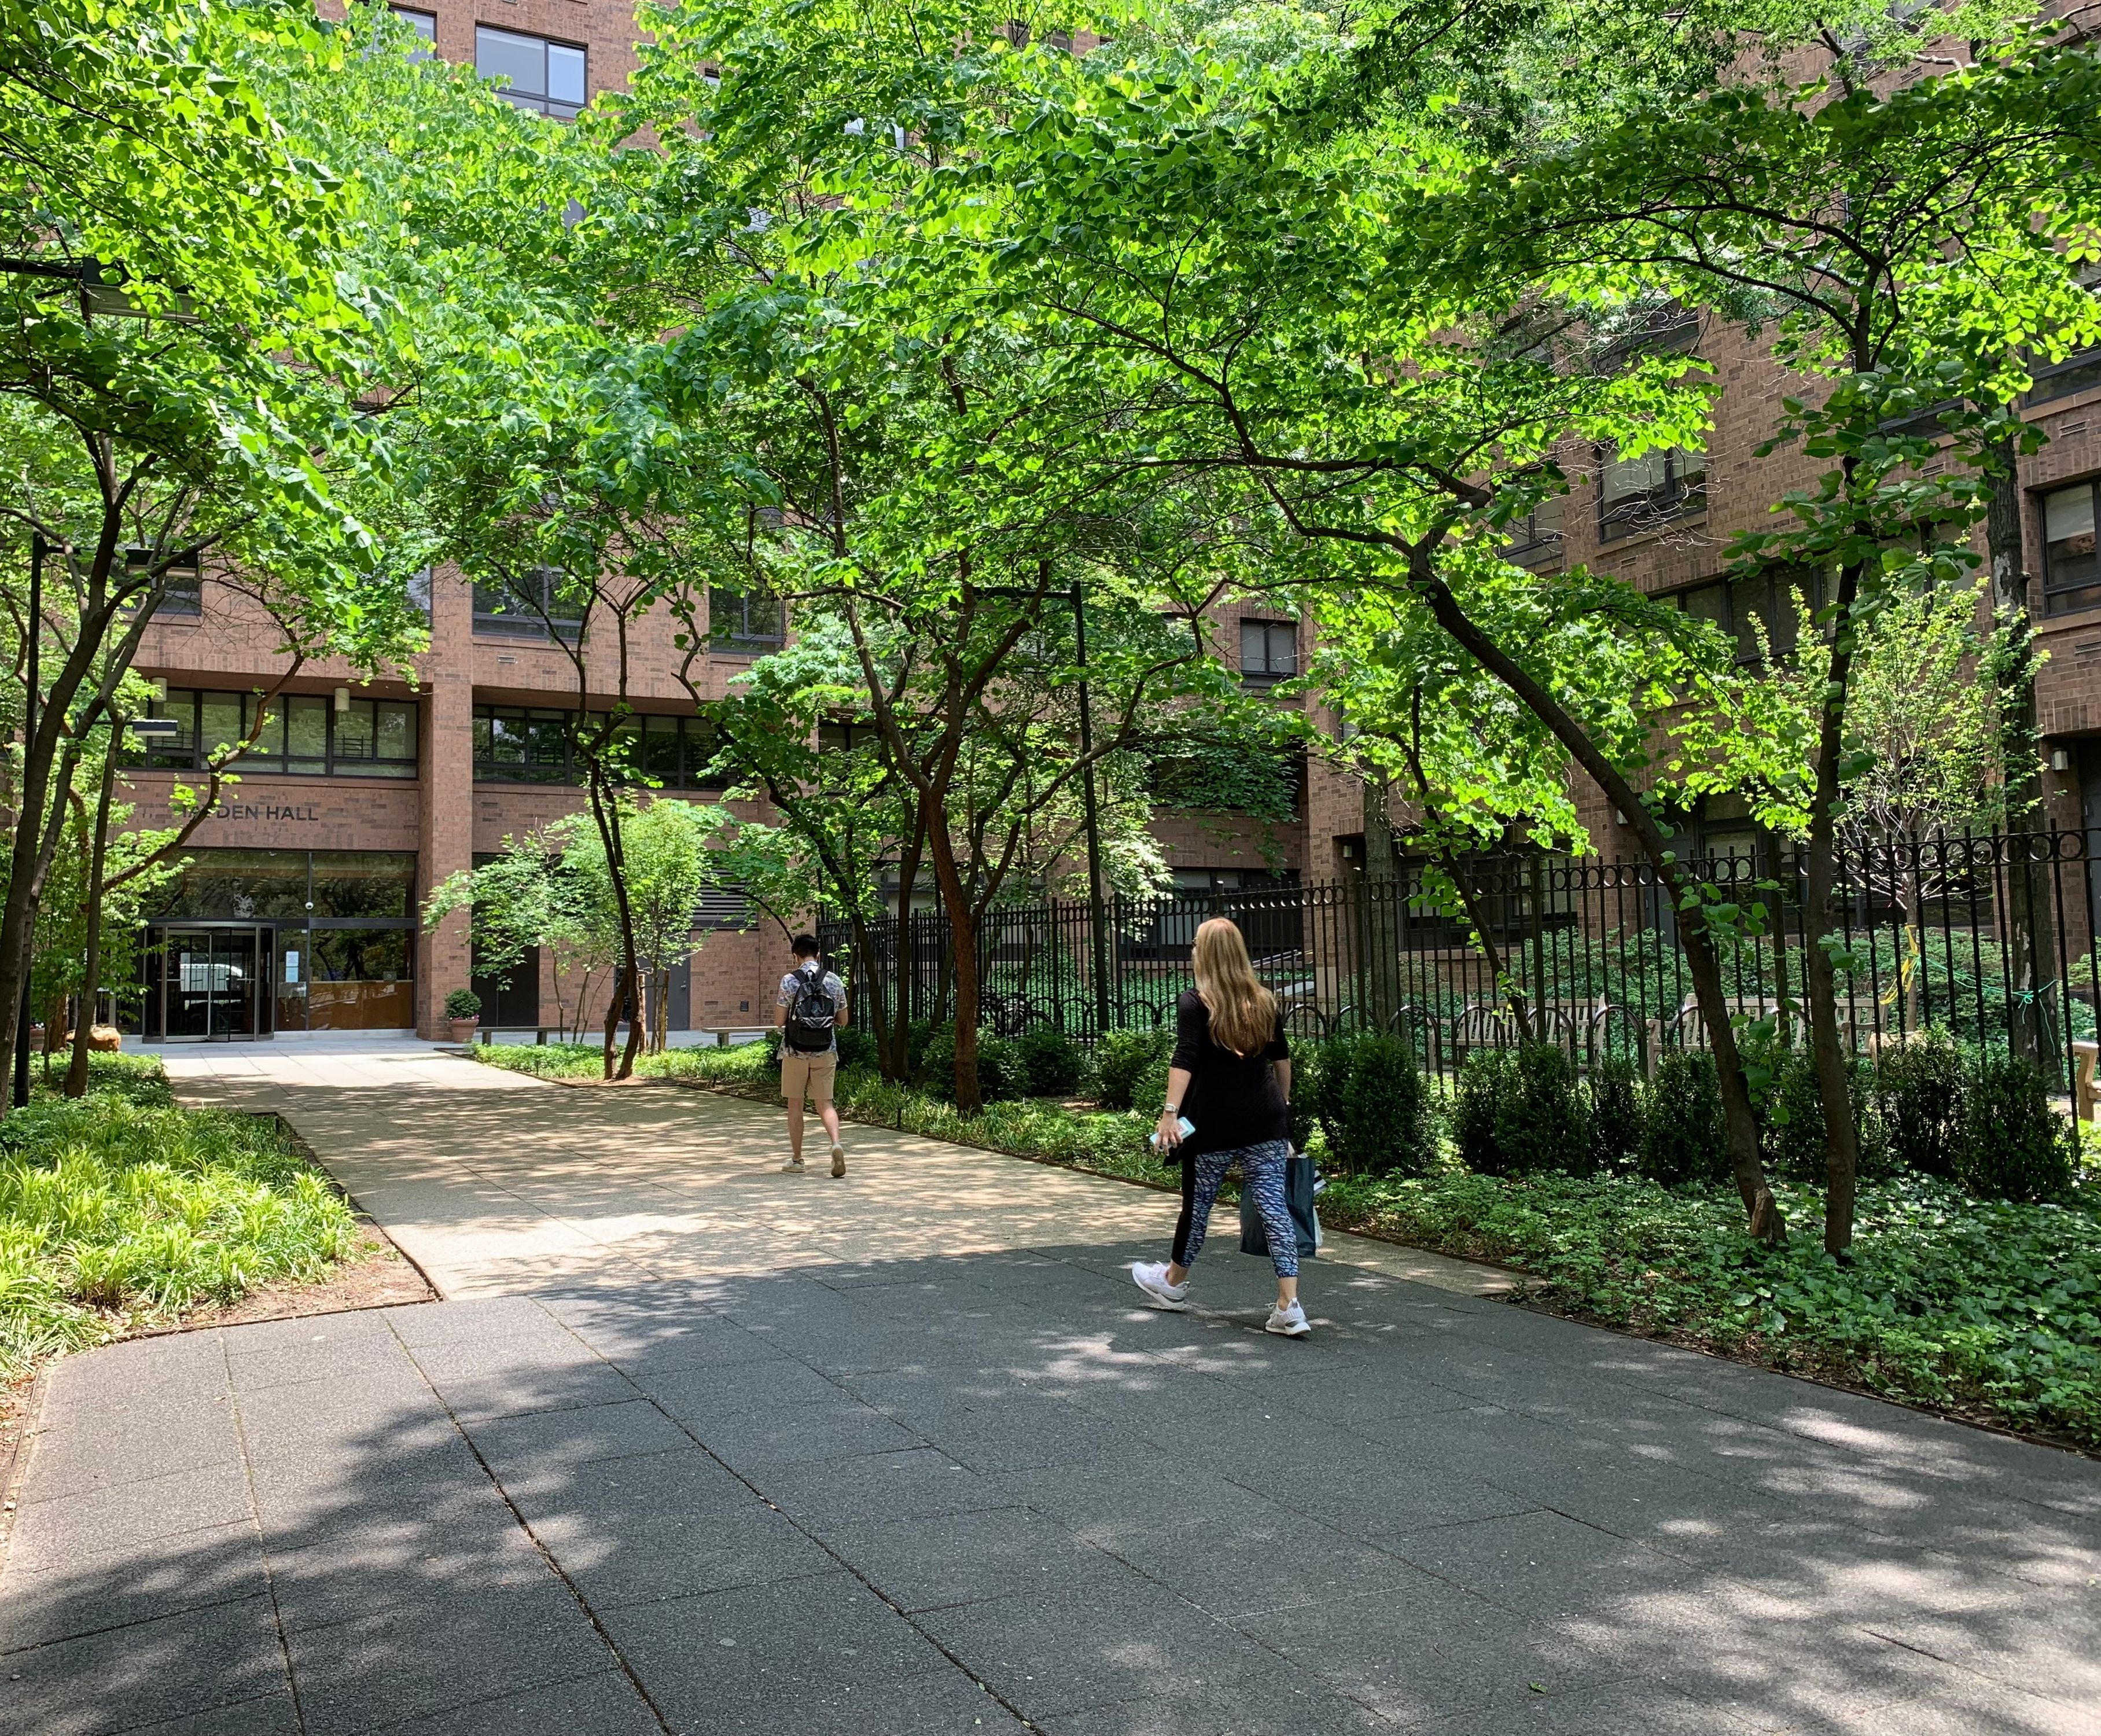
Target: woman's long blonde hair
(1243, 1013)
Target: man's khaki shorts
(810, 1074)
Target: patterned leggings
(1262, 1174)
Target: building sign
(274, 812)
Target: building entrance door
(209, 988)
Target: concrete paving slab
(936, 1563)
(560, 1441)
(124, 1517)
(414, 1658)
(98, 1594)
(603, 1703)
(198, 1662)
(806, 1655)
(1061, 1654)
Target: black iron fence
(1990, 937)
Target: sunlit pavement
(699, 1447)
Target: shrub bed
(119, 1207)
(1987, 1308)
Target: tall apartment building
(300, 912)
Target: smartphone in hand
(1182, 1122)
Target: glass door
(211, 988)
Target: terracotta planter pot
(463, 1030)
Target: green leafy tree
(1287, 314)
(907, 497)
(1910, 246)
(179, 367)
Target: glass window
(394, 727)
(1269, 651)
(657, 748)
(238, 886)
(177, 752)
(425, 24)
(1639, 494)
(355, 738)
(224, 720)
(1738, 607)
(746, 621)
(1537, 537)
(2078, 373)
(183, 575)
(512, 745)
(524, 609)
(548, 77)
(364, 883)
(306, 731)
(702, 745)
(2071, 577)
(516, 745)
(361, 979)
(304, 734)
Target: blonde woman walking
(1230, 1080)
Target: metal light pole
(28, 733)
(1097, 912)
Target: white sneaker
(793, 1167)
(838, 1160)
(1151, 1279)
(1290, 1322)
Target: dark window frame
(182, 572)
(542, 618)
(1681, 494)
(1536, 539)
(186, 752)
(1779, 585)
(2064, 594)
(1270, 630)
(736, 636)
(542, 101)
(698, 747)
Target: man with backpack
(811, 1013)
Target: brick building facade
(309, 878)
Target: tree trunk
(614, 1002)
(31, 889)
(963, 949)
(1827, 1046)
(605, 812)
(76, 1082)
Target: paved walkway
(706, 1448)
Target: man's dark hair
(807, 947)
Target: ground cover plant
(1989, 1310)
(1986, 1308)
(121, 1207)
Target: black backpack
(811, 1016)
